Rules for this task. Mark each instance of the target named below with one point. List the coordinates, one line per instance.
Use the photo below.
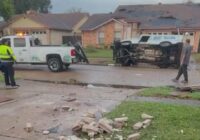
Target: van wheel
(54, 64)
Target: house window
(101, 37)
(19, 42)
(117, 35)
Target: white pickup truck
(29, 51)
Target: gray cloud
(101, 6)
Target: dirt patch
(4, 99)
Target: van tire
(54, 64)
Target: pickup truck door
(21, 49)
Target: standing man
(7, 59)
(184, 61)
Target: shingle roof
(55, 21)
(163, 15)
(96, 20)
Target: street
(110, 75)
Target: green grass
(98, 53)
(196, 56)
(168, 123)
(157, 91)
(1, 77)
(167, 92)
(194, 95)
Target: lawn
(1, 77)
(196, 56)
(98, 53)
(171, 122)
(167, 92)
(157, 91)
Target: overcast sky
(102, 6)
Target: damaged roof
(96, 20)
(162, 15)
(54, 21)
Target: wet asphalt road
(92, 74)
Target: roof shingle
(55, 21)
(162, 15)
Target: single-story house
(144, 19)
(51, 29)
(101, 29)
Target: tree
(6, 9)
(22, 6)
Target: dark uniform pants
(9, 73)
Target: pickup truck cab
(28, 50)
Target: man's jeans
(183, 70)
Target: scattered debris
(88, 120)
(118, 125)
(28, 128)
(13, 127)
(146, 123)
(90, 86)
(65, 108)
(138, 126)
(78, 126)
(121, 120)
(119, 137)
(146, 116)
(105, 126)
(70, 99)
(54, 129)
(92, 126)
(70, 138)
(46, 132)
(135, 136)
(63, 138)
(55, 109)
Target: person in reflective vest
(7, 59)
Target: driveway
(35, 102)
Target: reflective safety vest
(6, 54)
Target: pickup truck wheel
(54, 64)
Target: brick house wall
(90, 38)
(126, 30)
